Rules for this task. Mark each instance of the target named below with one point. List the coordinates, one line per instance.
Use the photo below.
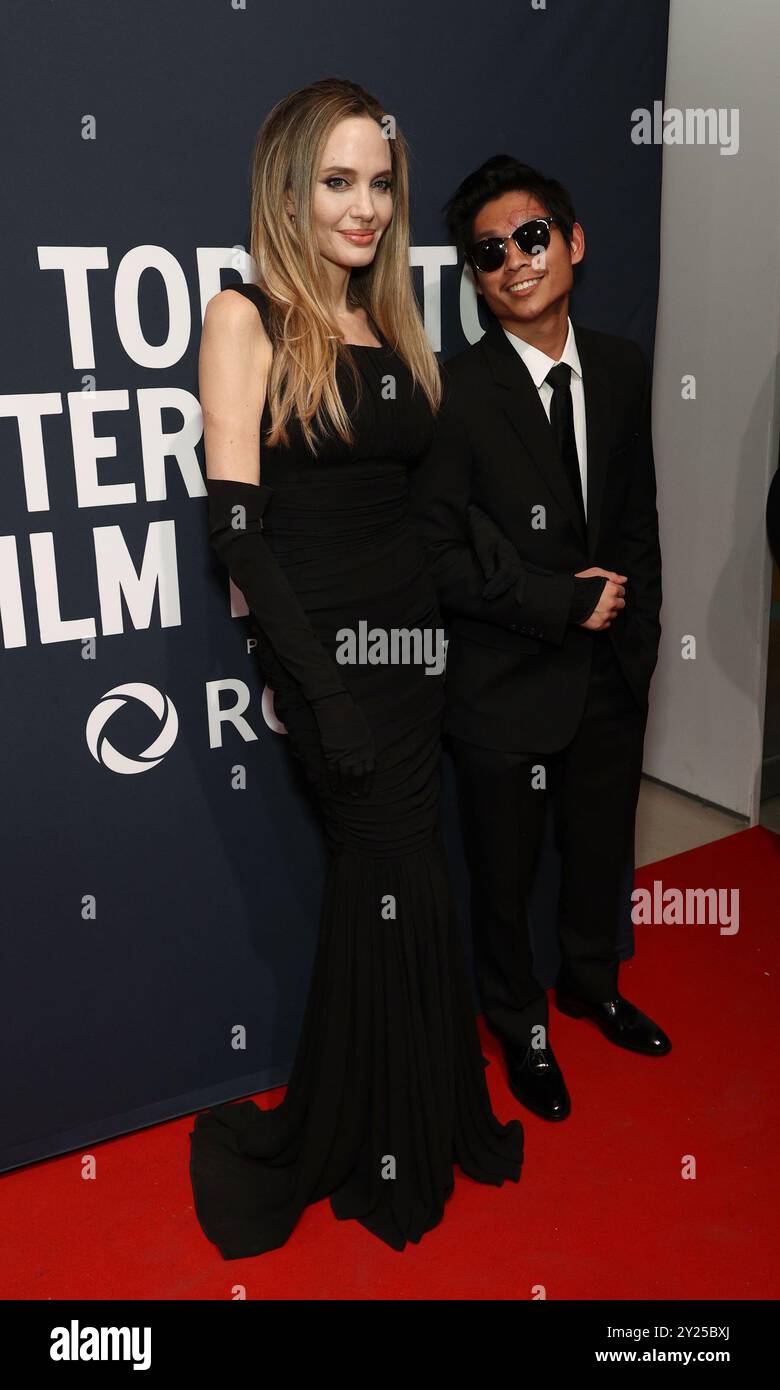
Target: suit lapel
(520, 402)
(597, 430)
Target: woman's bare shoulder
(234, 315)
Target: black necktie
(562, 421)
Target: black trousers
(594, 785)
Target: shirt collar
(538, 363)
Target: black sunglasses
(530, 237)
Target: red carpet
(601, 1210)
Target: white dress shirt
(539, 364)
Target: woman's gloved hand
(496, 554)
(347, 743)
(503, 567)
(236, 510)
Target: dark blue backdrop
(150, 907)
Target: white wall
(719, 319)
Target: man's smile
(524, 287)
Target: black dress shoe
(536, 1080)
(620, 1021)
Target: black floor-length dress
(388, 1085)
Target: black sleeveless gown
(388, 1086)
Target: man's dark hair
(503, 174)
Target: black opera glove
(235, 517)
(496, 554)
(347, 742)
(587, 593)
(503, 567)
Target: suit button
(513, 627)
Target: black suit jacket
(517, 669)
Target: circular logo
(101, 748)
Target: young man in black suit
(537, 506)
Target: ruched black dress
(388, 1086)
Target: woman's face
(353, 198)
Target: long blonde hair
(285, 163)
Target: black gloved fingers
(356, 765)
(585, 596)
(502, 580)
(360, 782)
(352, 775)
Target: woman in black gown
(388, 1087)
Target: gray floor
(670, 822)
